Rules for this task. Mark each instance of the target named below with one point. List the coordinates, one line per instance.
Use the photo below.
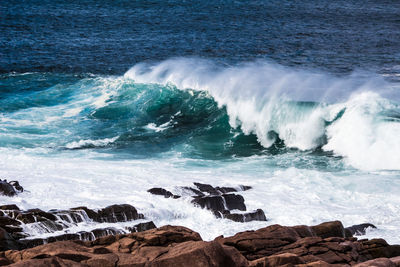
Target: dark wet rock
(6, 189)
(162, 192)
(7, 221)
(140, 227)
(7, 242)
(197, 193)
(89, 212)
(220, 203)
(245, 187)
(118, 213)
(35, 215)
(234, 202)
(82, 235)
(17, 186)
(111, 214)
(207, 188)
(257, 215)
(358, 229)
(214, 203)
(9, 207)
(226, 190)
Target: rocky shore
(133, 240)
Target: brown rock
(200, 254)
(329, 229)
(379, 262)
(50, 262)
(277, 260)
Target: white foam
(364, 137)
(259, 98)
(88, 142)
(352, 197)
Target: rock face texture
(276, 245)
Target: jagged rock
(7, 189)
(358, 229)
(257, 215)
(162, 192)
(221, 203)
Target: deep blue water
(109, 37)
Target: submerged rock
(162, 192)
(358, 229)
(7, 189)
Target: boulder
(329, 229)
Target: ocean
(102, 100)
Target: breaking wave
(203, 109)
